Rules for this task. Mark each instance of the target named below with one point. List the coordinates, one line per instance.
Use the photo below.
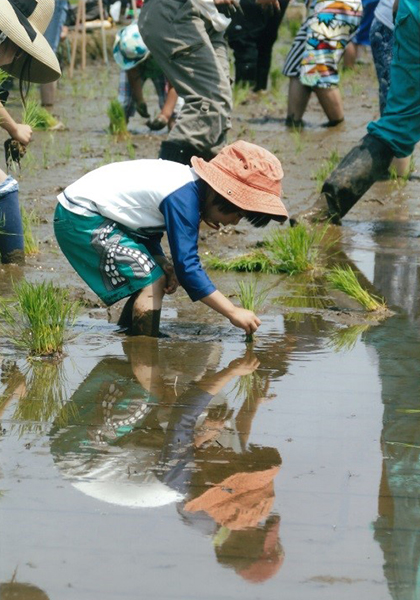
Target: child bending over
(109, 224)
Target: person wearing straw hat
(109, 225)
(25, 54)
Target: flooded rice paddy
(195, 466)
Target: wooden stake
(83, 34)
(75, 40)
(101, 15)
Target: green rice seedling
(296, 250)
(67, 151)
(37, 318)
(293, 26)
(256, 261)
(241, 93)
(29, 219)
(37, 117)
(276, 79)
(250, 299)
(299, 142)
(345, 280)
(131, 151)
(117, 122)
(326, 168)
(345, 338)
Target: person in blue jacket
(109, 225)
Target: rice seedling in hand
(345, 280)
(326, 168)
(37, 117)
(31, 244)
(250, 299)
(117, 120)
(37, 318)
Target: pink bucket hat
(247, 175)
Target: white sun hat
(24, 22)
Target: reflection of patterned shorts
(112, 263)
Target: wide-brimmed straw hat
(129, 48)
(24, 22)
(247, 175)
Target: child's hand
(245, 319)
(172, 282)
(22, 133)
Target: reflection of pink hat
(247, 175)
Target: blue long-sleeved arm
(181, 211)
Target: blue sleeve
(181, 211)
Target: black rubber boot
(357, 172)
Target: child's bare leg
(48, 93)
(402, 166)
(331, 103)
(297, 101)
(141, 313)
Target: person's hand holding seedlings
(22, 133)
(245, 365)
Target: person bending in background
(25, 54)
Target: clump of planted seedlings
(344, 279)
(37, 117)
(250, 299)
(29, 219)
(326, 168)
(296, 250)
(117, 120)
(38, 317)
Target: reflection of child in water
(137, 66)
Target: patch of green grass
(37, 117)
(37, 318)
(293, 26)
(251, 299)
(276, 79)
(29, 219)
(345, 280)
(256, 261)
(326, 168)
(117, 122)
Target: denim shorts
(112, 263)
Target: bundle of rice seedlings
(37, 318)
(256, 261)
(250, 299)
(297, 249)
(31, 244)
(117, 120)
(37, 117)
(345, 280)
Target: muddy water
(190, 467)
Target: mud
(198, 467)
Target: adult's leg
(297, 102)
(52, 34)
(194, 58)
(11, 229)
(266, 40)
(331, 103)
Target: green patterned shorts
(113, 264)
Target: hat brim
(240, 194)
(44, 66)
(125, 63)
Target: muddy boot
(146, 324)
(181, 153)
(357, 172)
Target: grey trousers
(193, 56)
